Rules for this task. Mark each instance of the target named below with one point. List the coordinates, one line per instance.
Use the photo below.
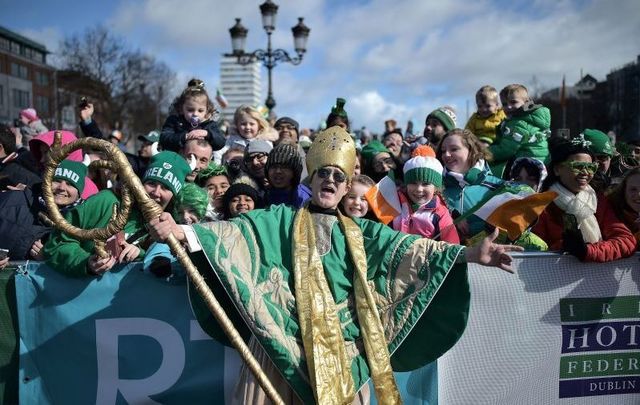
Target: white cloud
(50, 37)
(388, 58)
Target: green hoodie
(522, 135)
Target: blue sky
(389, 58)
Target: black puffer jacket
(20, 226)
(176, 127)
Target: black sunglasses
(338, 176)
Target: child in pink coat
(424, 212)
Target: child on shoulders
(484, 122)
(525, 131)
(191, 118)
(249, 126)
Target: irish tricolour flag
(512, 208)
(384, 201)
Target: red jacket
(617, 240)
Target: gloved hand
(160, 267)
(573, 242)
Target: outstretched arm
(488, 253)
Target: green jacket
(68, 255)
(524, 134)
(421, 293)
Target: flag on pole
(220, 98)
(513, 208)
(563, 93)
(384, 201)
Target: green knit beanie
(72, 172)
(168, 168)
(425, 169)
(446, 116)
(600, 142)
(370, 150)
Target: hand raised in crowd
(18, 134)
(488, 253)
(4, 262)
(36, 251)
(129, 253)
(86, 112)
(196, 134)
(98, 266)
(161, 227)
(17, 187)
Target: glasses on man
(256, 156)
(580, 167)
(337, 175)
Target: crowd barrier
(558, 331)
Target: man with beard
(439, 122)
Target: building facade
(624, 100)
(240, 84)
(25, 78)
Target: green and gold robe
(421, 294)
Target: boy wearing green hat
(164, 178)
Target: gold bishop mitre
(332, 147)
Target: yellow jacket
(485, 127)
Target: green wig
(212, 170)
(191, 196)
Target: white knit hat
(423, 168)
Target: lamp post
(269, 57)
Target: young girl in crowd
(625, 199)
(423, 210)
(579, 221)
(192, 117)
(250, 125)
(353, 203)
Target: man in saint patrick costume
(325, 301)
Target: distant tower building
(239, 84)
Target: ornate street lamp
(268, 57)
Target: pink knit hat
(30, 114)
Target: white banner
(557, 332)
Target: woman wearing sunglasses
(579, 221)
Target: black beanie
(287, 155)
(560, 149)
(237, 189)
